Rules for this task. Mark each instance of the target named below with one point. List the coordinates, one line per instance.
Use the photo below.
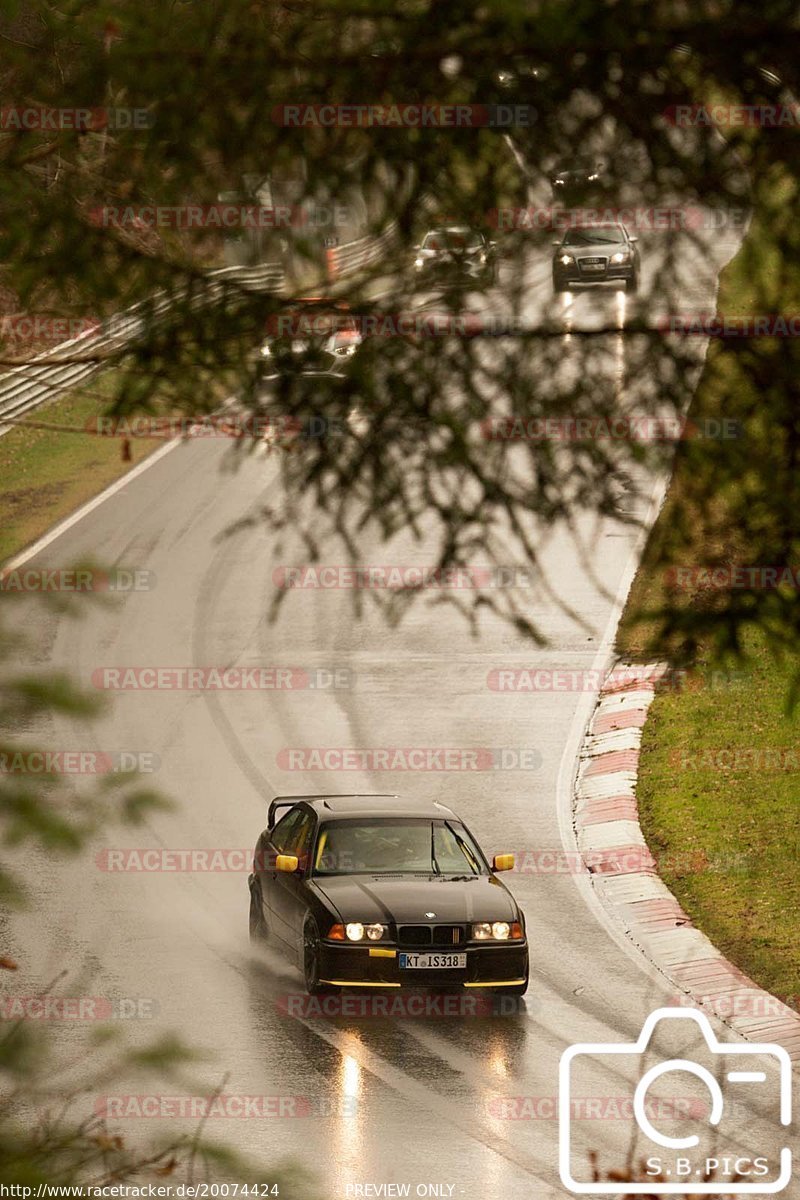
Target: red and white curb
(625, 877)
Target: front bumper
(574, 277)
(454, 273)
(350, 965)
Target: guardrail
(354, 256)
(44, 377)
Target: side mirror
(633, 238)
(503, 862)
(557, 242)
(286, 862)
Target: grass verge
(46, 474)
(720, 761)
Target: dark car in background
(455, 255)
(592, 254)
(582, 177)
(378, 892)
(313, 336)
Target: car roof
(589, 225)
(372, 805)
(451, 229)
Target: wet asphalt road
(365, 1099)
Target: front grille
(431, 935)
(448, 935)
(414, 935)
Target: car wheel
(558, 286)
(312, 954)
(633, 283)
(259, 931)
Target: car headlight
(566, 259)
(265, 351)
(593, 177)
(419, 262)
(558, 183)
(356, 932)
(497, 931)
(620, 257)
(344, 351)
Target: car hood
(407, 899)
(448, 252)
(593, 249)
(576, 173)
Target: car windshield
(311, 323)
(574, 164)
(404, 846)
(590, 237)
(452, 239)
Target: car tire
(259, 931)
(633, 283)
(311, 960)
(558, 286)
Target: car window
(300, 838)
(396, 846)
(283, 831)
(593, 235)
(453, 239)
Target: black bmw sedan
(375, 892)
(455, 255)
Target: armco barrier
(47, 376)
(24, 387)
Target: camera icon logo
(684, 1165)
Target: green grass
(45, 475)
(718, 797)
(698, 802)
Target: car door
(268, 847)
(288, 889)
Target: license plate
(432, 962)
(589, 266)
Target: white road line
(61, 528)
(580, 722)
